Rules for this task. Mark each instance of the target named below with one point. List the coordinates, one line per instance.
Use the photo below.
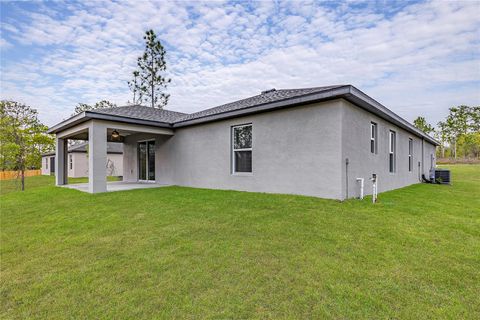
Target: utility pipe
(361, 187)
(374, 187)
(346, 177)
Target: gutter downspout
(346, 177)
(423, 169)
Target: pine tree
(133, 85)
(152, 83)
(423, 125)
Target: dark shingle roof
(265, 97)
(171, 117)
(144, 113)
(267, 100)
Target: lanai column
(97, 157)
(61, 161)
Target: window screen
(242, 148)
(373, 137)
(391, 154)
(410, 154)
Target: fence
(6, 175)
(458, 161)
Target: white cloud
(5, 45)
(417, 61)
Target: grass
(7, 186)
(193, 253)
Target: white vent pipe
(374, 187)
(361, 180)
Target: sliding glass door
(146, 161)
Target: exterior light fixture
(115, 134)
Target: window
(410, 154)
(70, 161)
(46, 163)
(242, 149)
(391, 154)
(373, 137)
(146, 160)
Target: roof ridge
(314, 88)
(139, 105)
(186, 116)
(266, 93)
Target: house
(77, 159)
(311, 141)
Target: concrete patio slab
(116, 186)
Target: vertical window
(373, 137)
(70, 161)
(151, 160)
(410, 154)
(391, 154)
(46, 163)
(242, 148)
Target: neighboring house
(77, 160)
(294, 141)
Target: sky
(415, 57)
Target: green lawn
(194, 253)
(7, 186)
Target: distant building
(77, 161)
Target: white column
(97, 157)
(60, 161)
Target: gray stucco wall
(163, 167)
(300, 150)
(295, 151)
(362, 163)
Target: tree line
(458, 134)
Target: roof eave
(117, 118)
(84, 151)
(364, 101)
(347, 92)
(330, 94)
(70, 122)
(47, 154)
(89, 115)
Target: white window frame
(70, 161)
(232, 133)
(373, 137)
(410, 154)
(392, 142)
(46, 162)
